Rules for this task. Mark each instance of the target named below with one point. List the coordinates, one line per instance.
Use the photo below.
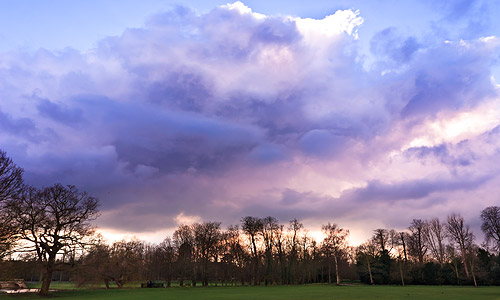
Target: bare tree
(11, 184)
(234, 255)
(184, 242)
(434, 236)
(453, 259)
(334, 245)
(252, 227)
(11, 178)
(490, 225)
(167, 256)
(403, 241)
(269, 231)
(381, 238)
(51, 221)
(94, 266)
(366, 254)
(125, 261)
(294, 228)
(417, 247)
(206, 237)
(460, 233)
(279, 244)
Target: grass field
(298, 292)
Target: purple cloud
(231, 113)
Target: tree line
(50, 232)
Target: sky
(367, 114)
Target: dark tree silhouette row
(261, 251)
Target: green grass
(299, 292)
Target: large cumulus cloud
(219, 115)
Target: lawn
(298, 292)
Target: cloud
(319, 142)
(22, 126)
(410, 190)
(228, 113)
(59, 113)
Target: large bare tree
(52, 221)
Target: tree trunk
(401, 273)
(47, 278)
(194, 275)
(369, 270)
(337, 273)
(44, 291)
(404, 246)
(119, 283)
(329, 272)
(455, 268)
(472, 271)
(464, 260)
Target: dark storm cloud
(172, 141)
(21, 126)
(411, 190)
(59, 113)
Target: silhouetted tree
(51, 221)
(234, 255)
(294, 227)
(461, 235)
(11, 178)
(184, 242)
(269, 231)
(206, 237)
(252, 227)
(166, 256)
(366, 255)
(334, 245)
(434, 237)
(416, 245)
(381, 238)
